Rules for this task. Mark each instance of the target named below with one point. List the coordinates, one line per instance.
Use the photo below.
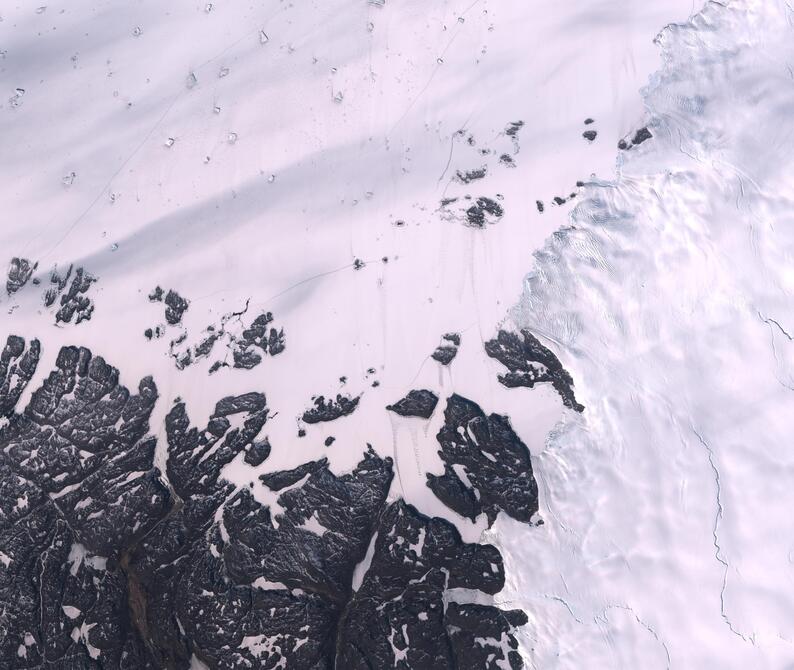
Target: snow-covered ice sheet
(175, 146)
(669, 299)
(313, 160)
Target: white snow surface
(200, 157)
(106, 85)
(668, 541)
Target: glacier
(302, 234)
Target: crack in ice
(642, 623)
(565, 604)
(715, 535)
(770, 320)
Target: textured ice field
(669, 297)
(298, 158)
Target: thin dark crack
(718, 554)
(770, 320)
(646, 626)
(449, 158)
(772, 323)
(565, 604)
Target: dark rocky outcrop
(195, 458)
(640, 136)
(175, 304)
(419, 403)
(471, 175)
(17, 366)
(20, 271)
(530, 363)
(82, 441)
(483, 211)
(224, 580)
(276, 481)
(513, 127)
(257, 452)
(175, 307)
(494, 465)
(105, 562)
(398, 617)
(258, 337)
(74, 303)
(446, 352)
(76, 487)
(470, 211)
(475, 632)
(330, 410)
(245, 345)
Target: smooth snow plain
(252, 153)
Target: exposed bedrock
(20, 271)
(330, 410)
(445, 352)
(642, 135)
(529, 363)
(106, 562)
(487, 468)
(419, 403)
(77, 486)
(74, 302)
(236, 341)
(175, 307)
(175, 304)
(398, 618)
